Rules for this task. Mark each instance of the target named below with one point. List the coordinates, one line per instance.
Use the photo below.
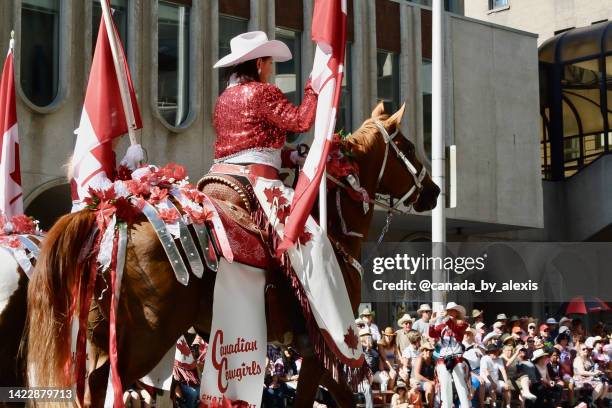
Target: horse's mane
(364, 139)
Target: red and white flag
(329, 33)
(11, 196)
(103, 118)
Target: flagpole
(120, 63)
(438, 220)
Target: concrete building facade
(543, 17)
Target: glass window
(344, 116)
(173, 62)
(387, 74)
(288, 73)
(229, 27)
(120, 15)
(40, 50)
(426, 92)
(454, 6)
(493, 4)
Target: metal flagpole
(120, 64)
(438, 221)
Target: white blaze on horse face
(9, 278)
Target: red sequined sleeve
(280, 112)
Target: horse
(155, 309)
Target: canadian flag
(329, 33)
(11, 196)
(103, 118)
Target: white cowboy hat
(365, 332)
(564, 319)
(551, 320)
(251, 45)
(405, 318)
(424, 308)
(501, 316)
(458, 308)
(365, 312)
(538, 353)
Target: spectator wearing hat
(372, 359)
(422, 325)
(412, 351)
(401, 336)
(424, 373)
(477, 316)
(585, 374)
(448, 330)
(368, 319)
(473, 355)
(400, 398)
(501, 317)
(359, 323)
(494, 334)
(469, 338)
(544, 387)
(525, 373)
(389, 355)
(481, 331)
(545, 335)
(513, 322)
(553, 325)
(532, 329)
(491, 366)
(559, 373)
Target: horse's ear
(378, 110)
(397, 116)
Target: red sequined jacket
(256, 115)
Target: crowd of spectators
(514, 361)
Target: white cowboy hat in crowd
(476, 313)
(423, 308)
(498, 325)
(501, 316)
(590, 342)
(479, 326)
(537, 354)
(365, 332)
(359, 320)
(458, 308)
(551, 320)
(564, 319)
(365, 312)
(405, 318)
(251, 45)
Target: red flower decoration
(198, 215)
(22, 224)
(351, 339)
(275, 192)
(124, 173)
(126, 210)
(169, 215)
(172, 172)
(158, 195)
(193, 195)
(137, 188)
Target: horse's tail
(51, 293)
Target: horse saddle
(234, 200)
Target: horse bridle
(417, 176)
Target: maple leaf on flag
(283, 213)
(274, 192)
(351, 339)
(305, 237)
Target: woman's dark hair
(246, 71)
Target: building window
(426, 93)
(387, 74)
(40, 48)
(344, 115)
(173, 62)
(288, 73)
(120, 15)
(229, 27)
(454, 6)
(495, 4)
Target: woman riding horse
(251, 119)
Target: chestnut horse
(155, 309)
